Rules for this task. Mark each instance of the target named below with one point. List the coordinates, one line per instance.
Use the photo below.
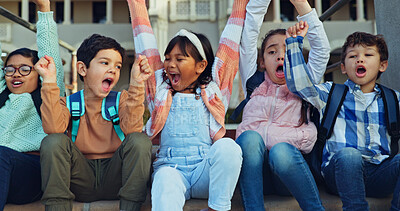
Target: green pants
(68, 175)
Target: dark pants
(19, 177)
(68, 175)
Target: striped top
(216, 94)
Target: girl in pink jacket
(274, 132)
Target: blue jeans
(215, 177)
(352, 178)
(287, 171)
(20, 181)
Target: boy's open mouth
(279, 72)
(361, 71)
(106, 84)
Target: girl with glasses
(21, 129)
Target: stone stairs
(271, 202)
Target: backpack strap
(336, 97)
(4, 96)
(76, 106)
(252, 83)
(391, 105)
(337, 94)
(109, 111)
(37, 100)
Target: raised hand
(44, 5)
(299, 29)
(302, 6)
(141, 70)
(47, 69)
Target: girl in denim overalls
(187, 98)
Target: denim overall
(188, 164)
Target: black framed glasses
(23, 70)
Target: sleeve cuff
(309, 16)
(45, 16)
(49, 85)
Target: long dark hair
(188, 49)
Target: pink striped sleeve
(227, 58)
(145, 41)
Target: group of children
(91, 143)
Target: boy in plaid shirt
(355, 161)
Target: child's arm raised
(226, 61)
(302, 6)
(47, 40)
(55, 114)
(320, 49)
(255, 12)
(145, 41)
(131, 109)
(297, 75)
(141, 71)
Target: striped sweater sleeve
(145, 42)
(226, 62)
(47, 42)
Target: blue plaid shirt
(360, 124)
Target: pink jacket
(273, 111)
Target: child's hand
(299, 29)
(302, 6)
(141, 70)
(44, 5)
(47, 69)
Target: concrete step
(271, 202)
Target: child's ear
(343, 68)
(81, 68)
(262, 64)
(201, 66)
(383, 66)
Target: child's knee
(54, 142)
(167, 178)
(396, 159)
(227, 147)
(226, 150)
(250, 141)
(138, 141)
(349, 152)
(283, 155)
(349, 156)
(281, 149)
